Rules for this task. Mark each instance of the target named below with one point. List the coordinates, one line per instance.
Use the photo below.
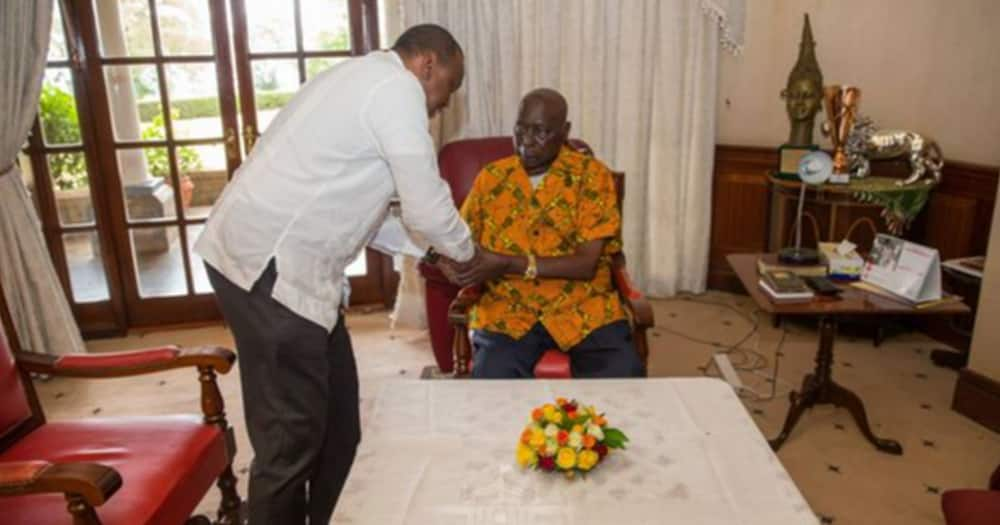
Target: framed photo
(789, 157)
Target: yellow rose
(577, 428)
(537, 439)
(525, 456)
(556, 418)
(548, 411)
(587, 459)
(566, 458)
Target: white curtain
(38, 304)
(640, 77)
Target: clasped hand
(483, 266)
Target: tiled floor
(844, 479)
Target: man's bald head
(551, 101)
(541, 129)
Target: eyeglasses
(539, 133)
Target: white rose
(575, 440)
(551, 430)
(551, 445)
(595, 431)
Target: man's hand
(483, 266)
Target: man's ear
(428, 61)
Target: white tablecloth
(442, 453)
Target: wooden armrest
(458, 311)
(135, 362)
(93, 482)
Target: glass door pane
(278, 47)
(171, 138)
(62, 176)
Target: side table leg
(800, 402)
(845, 398)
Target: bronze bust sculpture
(803, 94)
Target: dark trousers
(605, 352)
(300, 397)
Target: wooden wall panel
(740, 208)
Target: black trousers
(605, 352)
(300, 397)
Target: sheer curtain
(37, 302)
(640, 77)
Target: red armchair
(973, 507)
(151, 470)
(460, 162)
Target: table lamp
(815, 168)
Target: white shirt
(317, 186)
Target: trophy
(841, 104)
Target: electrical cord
(750, 360)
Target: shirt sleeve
(396, 116)
(472, 208)
(597, 212)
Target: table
(442, 453)
(818, 387)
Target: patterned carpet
(844, 479)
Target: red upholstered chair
(973, 507)
(464, 160)
(129, 470)
(459, 163)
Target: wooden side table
(819, 388)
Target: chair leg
(230, 508)
(83, 513)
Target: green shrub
(157, 159)
(61, 125)
(208, 107)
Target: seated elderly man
(547, 223)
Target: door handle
(249, 137)
(232, 147)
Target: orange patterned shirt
(575, 203)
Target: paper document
(393, 238)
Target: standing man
(301, 207)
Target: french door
(278, 47)
(148, 107)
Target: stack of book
(785, 287)
(769, 263)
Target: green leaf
(615, 438)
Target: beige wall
(985, 353)
(928, 65)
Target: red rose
(602, 450)
(547, 463)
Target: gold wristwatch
(531, 272)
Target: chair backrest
(16, 402)
(460, 161)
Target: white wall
(928, 65)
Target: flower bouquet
(567, 437)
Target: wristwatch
(531, 272)
(431, 257)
